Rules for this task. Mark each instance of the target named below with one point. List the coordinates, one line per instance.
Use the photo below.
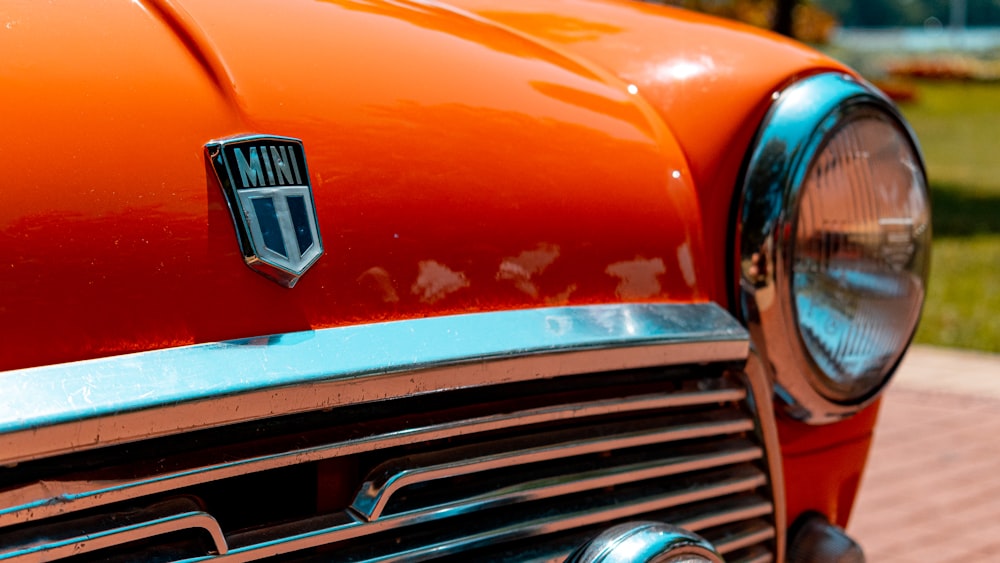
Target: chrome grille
(502, 471)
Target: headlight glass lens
(860, 254)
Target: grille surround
(653, 373)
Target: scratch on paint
(639, 278)
(686, 262)
(436, 281)
(520, 269)
(380, 280)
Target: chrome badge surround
(266, 183)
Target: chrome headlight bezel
(801, 121)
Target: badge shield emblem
(266, 184)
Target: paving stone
(931, 491)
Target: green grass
(958, 125)
(963, 301)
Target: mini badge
(266, 183)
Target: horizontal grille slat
(756, 554)
(94, 533)
(743, 535)
(396, 474)
(727, 511)
(565, 477)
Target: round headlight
(834, 236)
(859, 253)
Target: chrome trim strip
(756, 557)
(790, 137)
(50, 410)
(753, 509)
(375, 494)
(600, 479)
(587, 481)
(91, 534)
(746, 538)
(35, 501)
(762, 402)
(741, 481)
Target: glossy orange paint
(823, 464)
(710, 80)
(483, 157)
(456, 167)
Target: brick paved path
(932, 488)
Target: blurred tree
(802, 19)
(813, 24)
(783, 10)
(907, 13)
(814, 20)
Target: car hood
(458, 164)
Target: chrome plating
(84, 405)
(392, 477)
(761, 401)
(326, 530)
(269, 174)
(449, 354)
(18, 505)
(791, 136)
(646, 542)
(745, 521)
(86, 535)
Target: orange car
(406, 280)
